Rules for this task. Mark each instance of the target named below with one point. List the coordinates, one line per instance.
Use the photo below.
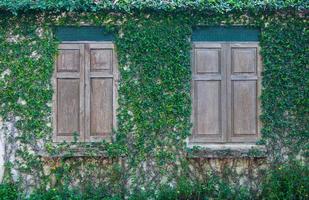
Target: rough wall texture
(243, 171)
(235, 166)
(36, 51)
(8, 148)
(1, 152)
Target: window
(225, 90)
(85, 81)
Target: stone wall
(1, 152)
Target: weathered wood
(85, 81)
(243, 92)
(101, 59)
(244, 109)
(101, 107)
(244, 60)
(68, 99)
(69, 58)
(207, 103)
(67, 107)
(207, 83)
(100, 91)
(225, 90)
(207, 60)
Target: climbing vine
(153, 49)
(154, 105)
(285, 81)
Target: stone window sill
(235, 150)
(76, 151)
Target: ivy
(154, 104)
(216, 6)
(153, 48)
(285, 93)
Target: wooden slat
(97, 78)
(243, 77)
(259, 91)
(104, 45)
(207, 60)
(244, 60)
(87, 93)
(68, 60)
(243, 92)
(239, 79)
(101, 74)
(101, 60)
(207, 77)
(100, 91)
(68, 103)
(82, 93)
(101, 107)
(68, 106)
(207, 89)
(115, 90)
(244, 108)
(73, 75)
(224, 89)
(207, 104)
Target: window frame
(227, 138)
(85, 77)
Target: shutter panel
(101, 76)
(225, 90)
(208, 91)
(68, 98)
(243, 91)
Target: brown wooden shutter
(243, 88)
(225, 90)
(208, 91)
(69, 92)
(101, 78)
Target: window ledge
(75, 151)
(226, 151)
(193, 151)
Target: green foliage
(26, 66)
(287, 181)
(285, 94)
(8, 192)
(212, 188)
(135, 5)
(154, 92)
(54, 194)
(154, 112)
(90, 192)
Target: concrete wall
(1, 153)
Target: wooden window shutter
(243, 89)
(101, 79)
(225, 90)
(69, 92)
(208, 92)
(85, 81)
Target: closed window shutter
(85, 81)
(243, 90)
(69, 93)
(209, 80)
(101, 79)
(225, 90)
